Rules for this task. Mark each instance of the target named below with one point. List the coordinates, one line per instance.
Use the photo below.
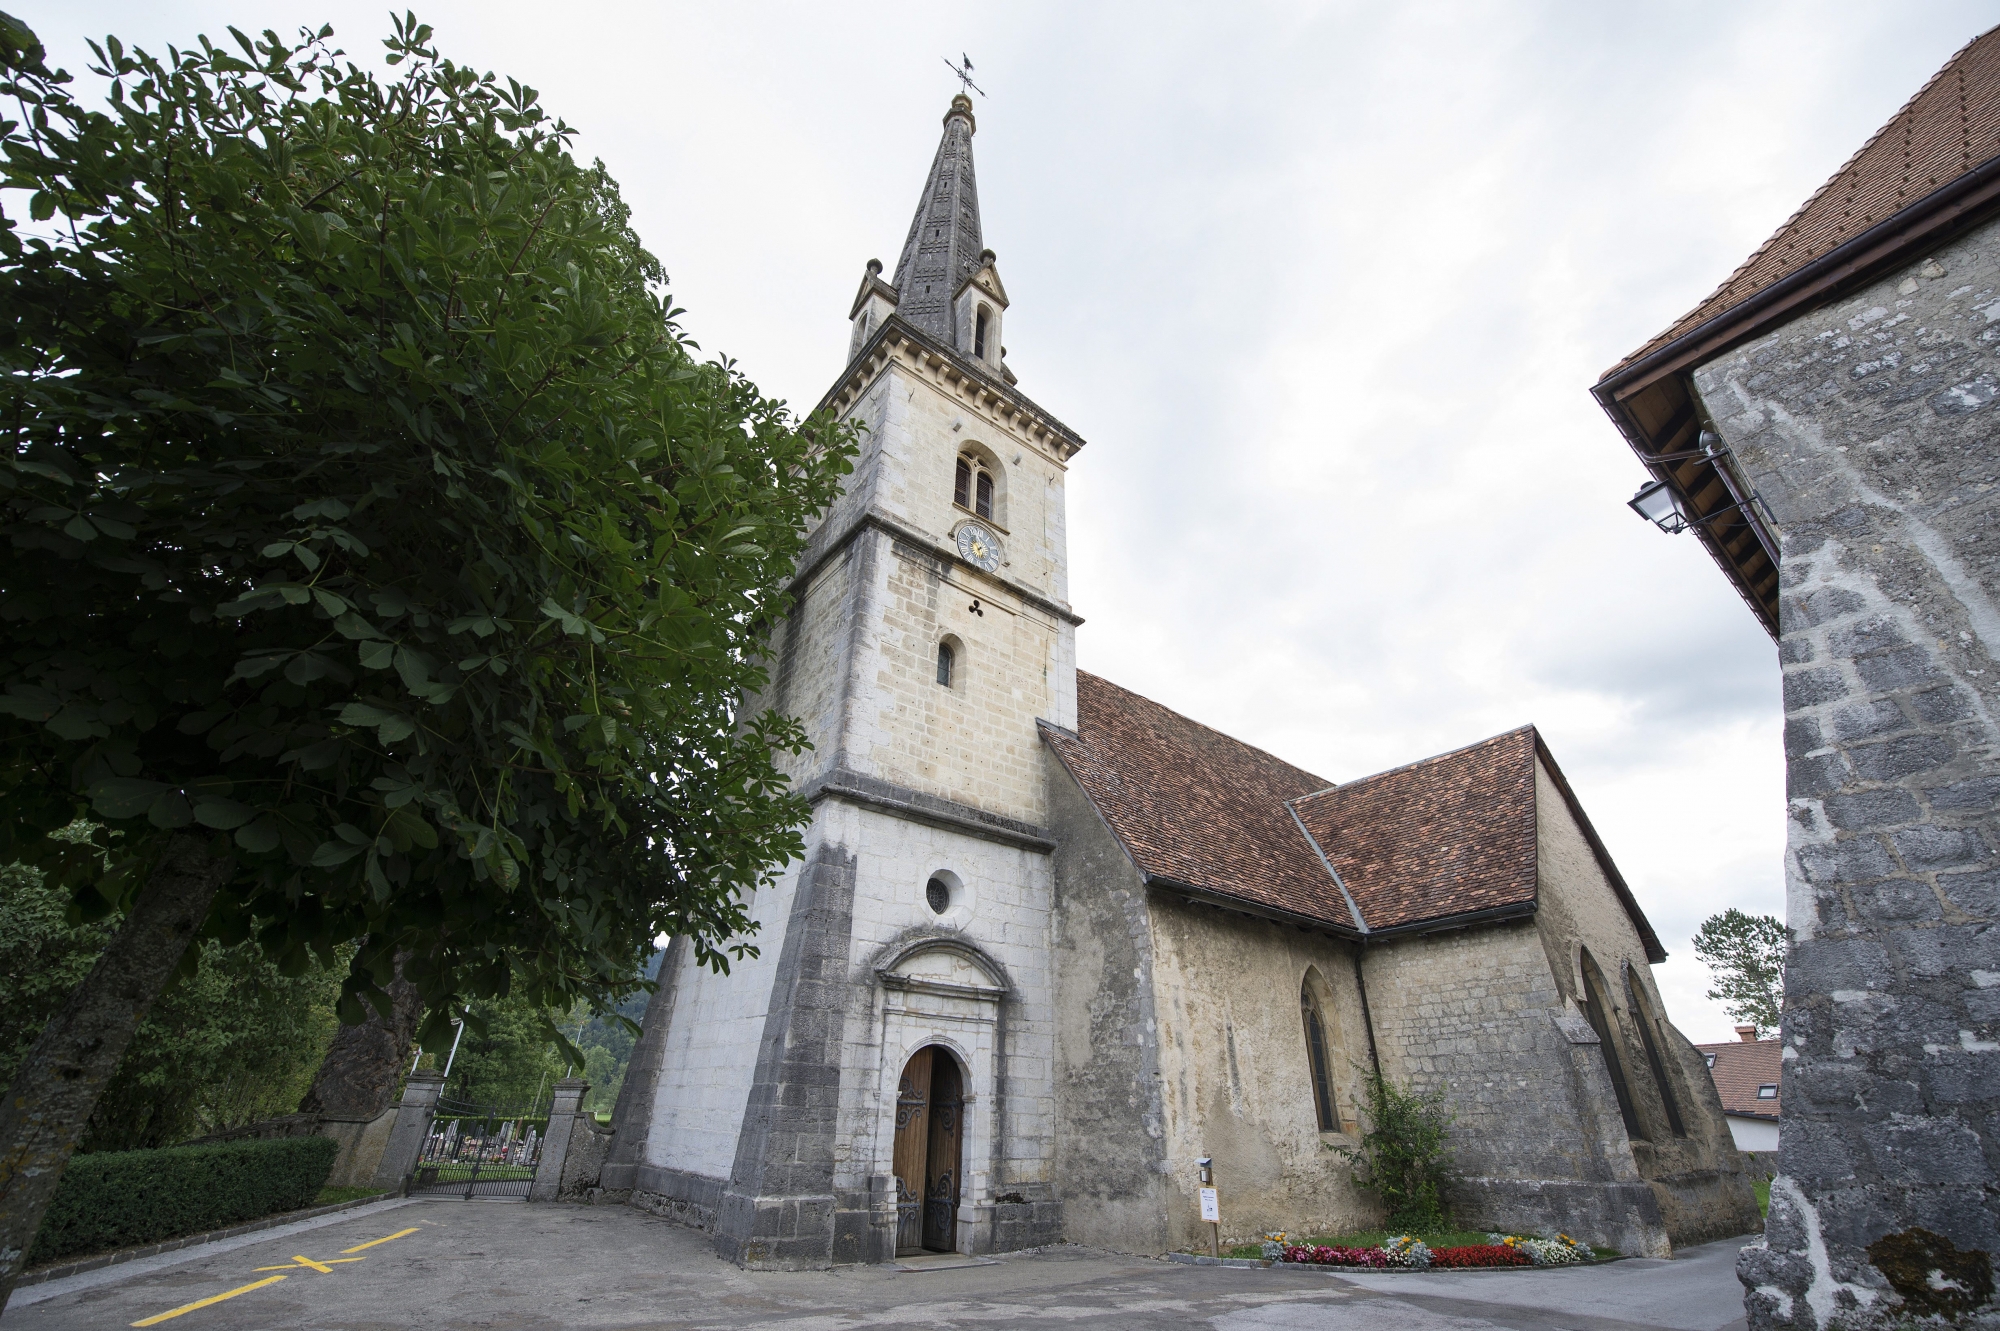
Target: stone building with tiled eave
(1051, 943)
(1825, 424)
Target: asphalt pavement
(509, 1266)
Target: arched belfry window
(972, 487)
(947, 663)
(979, 326)
(1319, 1057)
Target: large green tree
(380, 560)
(232, 1042)
(1745, 956)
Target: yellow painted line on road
(157, 1318)
(299, 1262)
(302, 1263)
(372, 1242)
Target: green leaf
(124, 797)
(169, 809)
(352, 625)
(223, 814)
(377, 655)
(259, 837)
(413, 667)
(571, 624)
(333, 854)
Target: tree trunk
(57, 1085)
(357, 1078)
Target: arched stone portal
(928, 1154)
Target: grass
(334, 1196)
(1762, 1187)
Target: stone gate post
(413, 1124)
(555, 1146)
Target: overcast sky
(1324, 286)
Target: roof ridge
(1200, 725)
(1434, 758)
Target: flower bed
(1480, 1254)
(1562, 1250)
(1408, 1252)
(1324, 1256)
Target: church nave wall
(1538, 1142)
(1236, 1079)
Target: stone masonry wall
(1538, 1140)
(1235, 1077)
(1868, 428)
(1110, 1138)
(1684, 1150)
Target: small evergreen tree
(1403, 1155)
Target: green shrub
(115, 1199)
(1403, 1155)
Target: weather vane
(963, 69)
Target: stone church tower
(879, 1077)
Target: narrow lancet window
(1642, 1016)
(1320, 1055)
(984, 507)
(1597, 1010)
(944, 664)
(961, 489)
(979, 334)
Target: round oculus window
(938, 895)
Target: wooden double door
(930, 1119)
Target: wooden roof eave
(1651, 399)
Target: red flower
(1320, 1255)
(1480, 1254)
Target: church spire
(943, 251)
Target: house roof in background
(1740, 1067)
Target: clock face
(980, 547)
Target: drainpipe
(1354, 909)
(1367, 1021)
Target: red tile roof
(1951, 126)
(1194, 806)
(1742, 1066)
(1450, 835)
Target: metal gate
(479, 1151)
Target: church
(1052, 946)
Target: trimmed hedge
(116, 1199)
